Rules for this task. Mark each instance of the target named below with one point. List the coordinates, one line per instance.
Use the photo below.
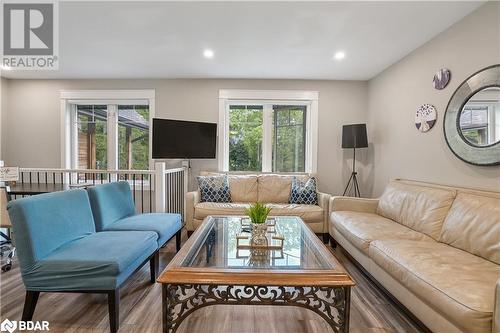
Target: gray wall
(31, 126)
(394, 95)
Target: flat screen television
(183, 139)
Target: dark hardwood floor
(140, 309)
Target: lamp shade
(354, 136)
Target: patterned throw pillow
(214, 188)
(304, 192)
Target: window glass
(289, 138)
(245, 137)
(133, 137)
(92, 136)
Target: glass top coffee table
(210, 269)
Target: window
(268, 135)
(133, 137)
(107, 129)
(289, 130)
(245, 137)
(93, 144)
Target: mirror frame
(458, 144)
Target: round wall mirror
(472, 118)
(480, 118)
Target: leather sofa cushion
(457, 284)
(473, 225)
(418, 207)
(243, 188)
(204, 209)
(363, 228)
(308, 213)
(274, 188)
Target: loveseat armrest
(192, 198)
(496, 309)
(352, 204)
(324, 202)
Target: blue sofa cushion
(44, 223)
(101, 261)
(110, 203)
(164, 224)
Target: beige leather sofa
(271, 189)
(435, 248)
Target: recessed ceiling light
(208, 53)
(339, 55)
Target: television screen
(183, 139)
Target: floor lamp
(354, 136)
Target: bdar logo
(8, 326)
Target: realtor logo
(30, 32)
(8, 326)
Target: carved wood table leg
(331, 303)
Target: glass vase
(259, 234)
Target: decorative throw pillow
(304, 191)
(214, 188)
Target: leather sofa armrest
(352, 204)
(192, 198)
(324, 202)
(496, 309)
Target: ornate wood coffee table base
(180, 300)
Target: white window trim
(68, 98)
(232, 96)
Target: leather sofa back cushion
(274, 188)
(418, 207)
(243, 188)
(473, 225)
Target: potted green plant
(258, 215)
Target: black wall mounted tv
(183, 139)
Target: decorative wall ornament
(425, 117)
(441, 78)
(455, 131)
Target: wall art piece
(441, 78)
(425, 117)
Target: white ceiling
(250, 39)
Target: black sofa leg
(326, 238)
(189, 233)
(333, 243)
(114, 310)
(154, 266)
(178, 240)
(30, 304)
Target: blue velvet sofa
(114, 210)
(60, 250)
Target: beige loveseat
(435, 248)
(271, 189)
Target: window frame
(268, 98)
(69, 99)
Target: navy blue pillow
(214, 188)
(304, 192)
